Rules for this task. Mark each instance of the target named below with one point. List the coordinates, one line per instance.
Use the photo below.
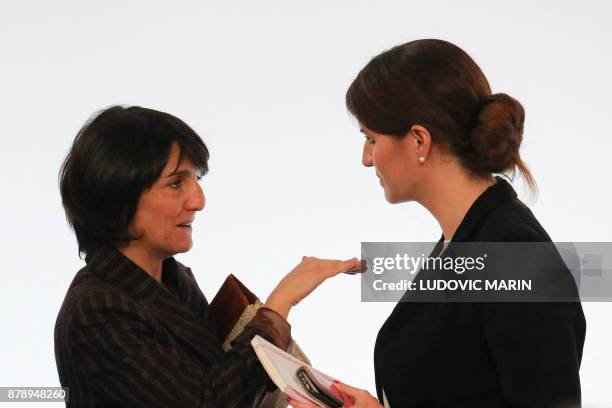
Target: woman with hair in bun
(435, 134)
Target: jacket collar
(492, 197)
(114, 267)
(177, 311)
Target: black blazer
(483, 354)
(122, 339)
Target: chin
(391, 198)
(179, 249)
(396, 198)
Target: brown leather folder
(231, 309)
(229, 304)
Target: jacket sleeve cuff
(274, 325)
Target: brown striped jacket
(124, 340)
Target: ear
(419, 140)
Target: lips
(185, 224)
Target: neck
(145, 259)
(449, 194)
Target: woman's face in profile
(395, 161)
(165, 212)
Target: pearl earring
(421, 159)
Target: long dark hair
(436, 84)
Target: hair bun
(497, 134)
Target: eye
(200, 176)
(176, 184)
(370, 140)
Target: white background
(263, 83)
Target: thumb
(342, 391)
(346, 389)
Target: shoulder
(89, 299)
(511, 221)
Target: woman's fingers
(359, 266)
(346, 398)
(342, 266)
(359, 398)
(347, 389)
(330, 267)
(346, 265)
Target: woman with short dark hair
(134, 328)
(435, 134)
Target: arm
(536, 347)
(305, 278)
(535, 350)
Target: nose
(196, 200)
(366, 157)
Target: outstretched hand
(305, 278)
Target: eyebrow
(181, 173)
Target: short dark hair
(117, 155)
(438, 85)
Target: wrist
(280, 306)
